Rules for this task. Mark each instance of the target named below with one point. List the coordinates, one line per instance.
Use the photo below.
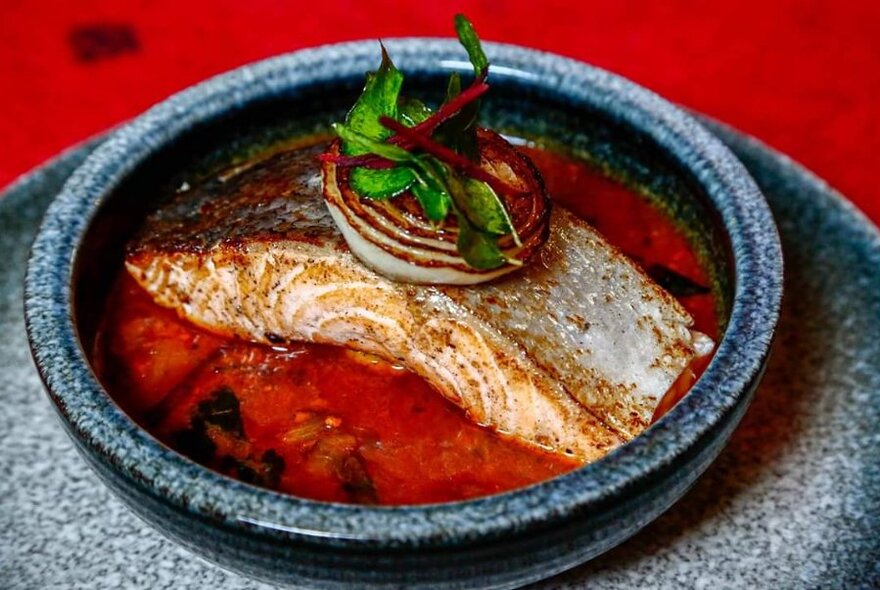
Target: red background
(801, 75)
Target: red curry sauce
(325, 423)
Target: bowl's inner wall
(513, 107)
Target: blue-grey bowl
(499, 541)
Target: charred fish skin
(626, 340)
(260, 201)
(256, 254)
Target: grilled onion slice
(394, 238)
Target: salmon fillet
(572, 353)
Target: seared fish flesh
(572, 353)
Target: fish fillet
(572, 353)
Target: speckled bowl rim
(99, 425)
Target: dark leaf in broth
(265, 472)
(222, 410)
(677, 284)
(356, 482)
(195, 443)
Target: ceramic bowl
(499, 541)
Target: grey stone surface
(793, 502)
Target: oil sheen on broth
(331, 424)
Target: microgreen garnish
(428, 187)
(471, 43)
(379, 98)
(460, 131)
(394, 144)
(449, 156)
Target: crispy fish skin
(599, 326)
(572, 353)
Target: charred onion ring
(395, 239)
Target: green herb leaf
(381, 184)
(376, 184)
(424, 181)
(368, 145)
(460, 131)
(478, 249)
(434, 203)
(453, 87)
(481, 205)
(378, 98)
(486, 207)
(468, 37)
(413, 111)
(431, 192)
